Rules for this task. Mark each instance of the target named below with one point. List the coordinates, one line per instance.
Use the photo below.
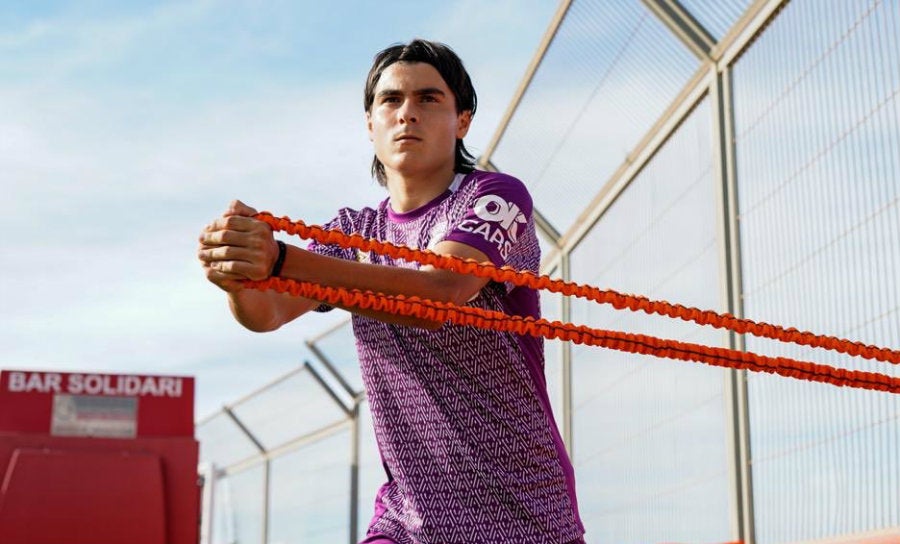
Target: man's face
(413, 121)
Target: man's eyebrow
(419, 92)
(429, 90)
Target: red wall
(63, 484)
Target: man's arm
(427, 282)
(237, 247)
(234, 248)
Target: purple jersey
(461, 415)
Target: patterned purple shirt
(461, 415)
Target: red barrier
(97, 458)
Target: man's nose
(409, 112)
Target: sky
(125, 127)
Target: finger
(237, 223)
(245, 224)
(209, 227)
(239, 208)
(252, 270)
(258, 238)
(222, 238)
(210, 254)
(229, 269)
(218, 275)
(226, 282)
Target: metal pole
(337, 400)
(264, 453)
(267, 469)
(683, 25)
(566, 311)
(208, 473)
(526, 79)
(330, 367)
(736, 401)
(354, 473)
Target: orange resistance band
(634, 343)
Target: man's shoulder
(506, 186)
(484, 177)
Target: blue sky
(127, 126)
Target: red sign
(104, 405)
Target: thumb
(239, 208)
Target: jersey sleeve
(498, 221)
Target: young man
(461, 415)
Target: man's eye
(429, 98)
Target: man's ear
(463, 121)
(369, 125)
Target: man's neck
(411, 192)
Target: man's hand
(236, 247)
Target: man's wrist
(279, 261)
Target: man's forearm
(437, 285)
(264, 311)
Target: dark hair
(451, 68)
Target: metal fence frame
(711, 79)
(210, 473)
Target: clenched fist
(236, 247)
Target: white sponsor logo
(501, 220)
(495, 209)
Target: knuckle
(258, 243)
(231, 253)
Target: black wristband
(279, 262)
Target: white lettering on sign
(38, 382)
(95, 384)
